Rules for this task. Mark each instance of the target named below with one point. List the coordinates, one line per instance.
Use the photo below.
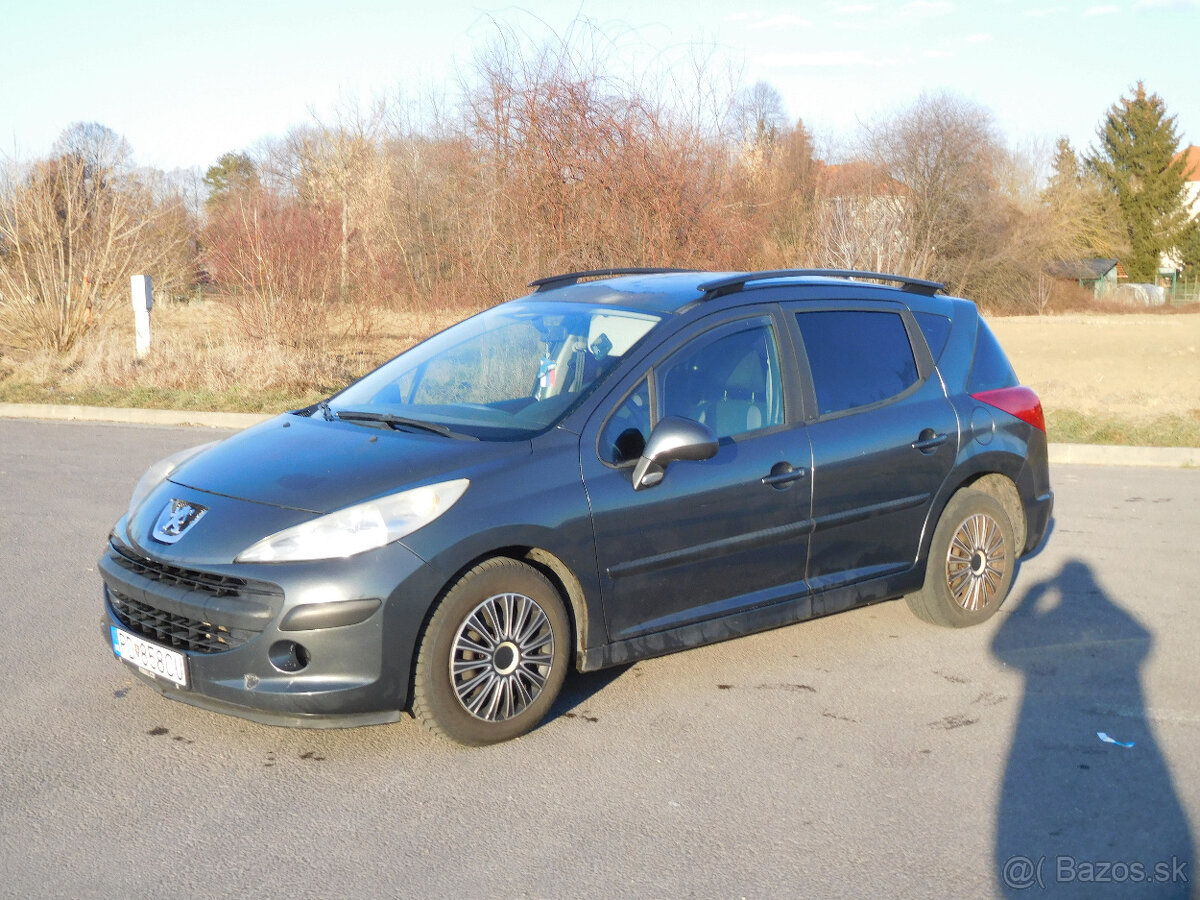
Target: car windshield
(506, 373)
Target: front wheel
(493, 656)
(972, 559)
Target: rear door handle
(782, 474)
(929, 440)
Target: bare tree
(103, 152)
(759, 115)
(73, 228)
(943, 150)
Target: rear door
(884, 438)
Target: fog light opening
(288, 656)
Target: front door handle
(929, 440)
(783, 474)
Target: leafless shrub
(276, 262)
(73, 228)
(579, 169)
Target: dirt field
(1124, 366)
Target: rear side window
(936, 330)
(990, 368)
(857, 357)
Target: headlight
(159, 472)
(357, 529)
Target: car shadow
(1079, 816)
(580, 687)
(1042, 544)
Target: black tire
(971, 562)
(493, 656)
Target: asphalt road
(865, 754)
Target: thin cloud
(1109, 10)
(820, 59)
(978, 38)
(927, 8)
(854, 9)
(784, 20)
(1044, 13)
(1167, 4)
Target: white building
(1191, 171)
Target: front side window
(730, 383)
(857, 357)
(509, 372)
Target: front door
(712, 538)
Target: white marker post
(143, 302)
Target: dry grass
(198, 361)
(1071, 427)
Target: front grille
(192, 579)
(239, 606)
(176, 631)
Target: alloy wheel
(501, 657)
(976, 562)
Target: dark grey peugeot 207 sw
(623, 464)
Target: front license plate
(160, 661)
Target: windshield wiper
(351, 415)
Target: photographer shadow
(1082, 812)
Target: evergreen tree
(1066, 177)
(1134, 162)
(233, 174)
(1189, 248)
(1087, 221)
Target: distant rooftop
(1082, 269)
(856, 178)
(1191, 164)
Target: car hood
(319, 466)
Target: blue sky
(184, 83)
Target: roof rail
(557, 281)
(734, 283)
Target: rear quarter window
(936, 330)
(857, 357)
(990, 368)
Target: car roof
(666, 291)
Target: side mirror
(674, 439)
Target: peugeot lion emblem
(175, 520)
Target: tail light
(1019, 401)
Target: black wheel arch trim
(969, 470)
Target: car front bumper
(317, 645)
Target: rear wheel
(494, 655)
(971, 563)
